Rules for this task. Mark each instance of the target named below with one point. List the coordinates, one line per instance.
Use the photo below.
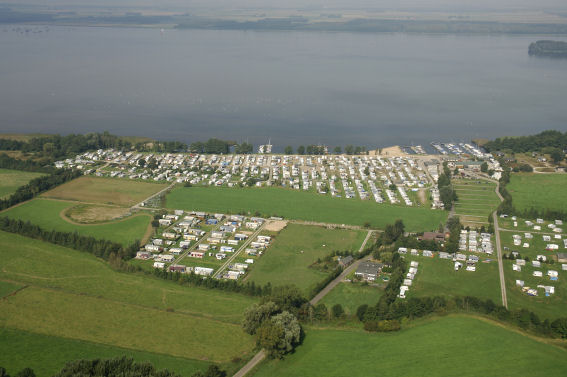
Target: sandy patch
(275, 225)
(87, 214)
(394, 151)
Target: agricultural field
(117, 309)
(48, 214)
(352, 295)
(275, 201)
(296, 247)
(448, 346)
(437, 277)
(10, 180)
(47, 354)
(542, 191)
(105, 191)
(477, 200)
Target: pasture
(47, 354)
(437, 277)
(477, 200)
(288, 258)
(10, 180)
(351, 296)
(97, 190)
(276, 201)
(48, 214)
(542, 191)
(116, 309)
(439, 347)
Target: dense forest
(533, 143)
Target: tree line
(313, 149)
(446, 193)
(116, 367)
(38, 185)
(100, 248)
(551, 141)
(218, 146)
(7, 162)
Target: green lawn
(287, 260)
(32, 262)
(449, 346)
(7, 288)
(47, 214)
(125, 310)
(351, 296)
(10, 180)
(437, 277)
(541, 191)
(301, 205)
(46, 354)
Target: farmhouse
(368, 271)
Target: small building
(197, 254)
(204, 271)
(143, 255)
(432, 236)
(177, 268)
(159, 265)
(368, 270)
(562, 257)
(345, 261)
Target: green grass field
(477, 200)
(437, 277)
(351, 296)
(47, 214)
(121, 192)
(303, 206)
(541, 191)
(285, 263)
(7, 288)
(449, 346)
(125, 310)
(10, 180)
(46, 354)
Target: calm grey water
(295, 87)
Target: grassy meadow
(477, 200)
(437, 277)
(351, 296)
(277, 201)
(22, 349)
(288, 258)
(10, 180)
(542, 191)
(448, 346)
(97, 190)
(47, 214)
(135, 312)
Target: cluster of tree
(7, 162)
(117, 367)
(57, 146)
(212, 146)
(392, 232)
(454, 226)
(446, 193)
(100, 248)
(320, 150)
(38, 185)
(161, 146)
(26, 372)
(533, 143)
(244, 148)
(274, 321)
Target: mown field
(135, 312)
(351, 296)
(47, 214)
(437, 277)
(47, 354)
(477, 200)
(449, 346)
(541, 191)
(296, 247)
(10, 180)
(276, 201)
(120, 192)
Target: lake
(293, 87)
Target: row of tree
(38, 185)
(101, 248)
(320, 150)
(7, 162)
(117, 367)
(446, 193)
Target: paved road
(500, 266)
(261, 355)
